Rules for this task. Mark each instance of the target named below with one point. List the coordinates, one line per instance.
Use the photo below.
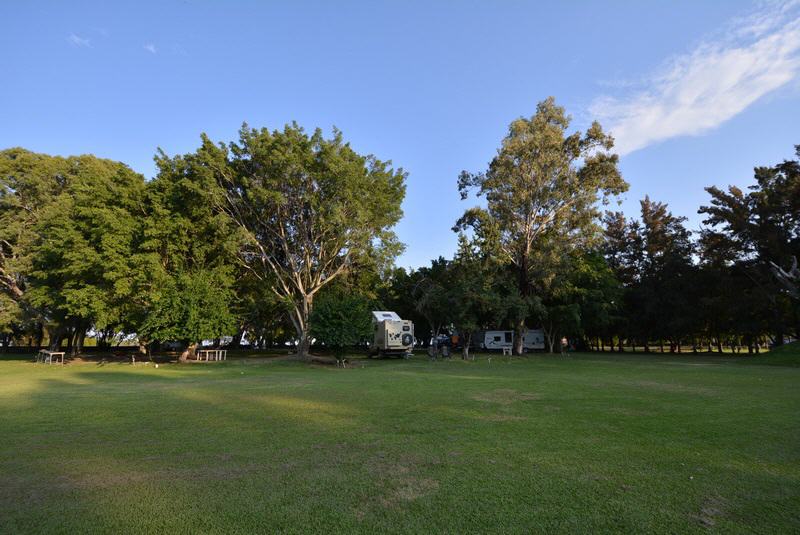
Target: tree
(432, 299)
(763, 227)
(191, 306)
(187, 259)
(340, 320)
(310, 208)
(652, 258)
(599, 297)
(475, 296)
(542, 191)
(29, 182)
(69, 230)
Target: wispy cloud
(76, 40)
(696, 92)
(150, 47)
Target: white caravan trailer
(494, 339)
(532, 340)
(393, 336)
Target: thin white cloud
(720, 78)
(150, 47)
(76, 40)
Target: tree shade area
(592, 443)
(235, 243)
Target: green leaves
(341, 319)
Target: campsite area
(587, 443)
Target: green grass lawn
(583, 444)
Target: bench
(45, 355)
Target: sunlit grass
(586, 443)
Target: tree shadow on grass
(113, 450)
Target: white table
(47, 356)
(212, 354)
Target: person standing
(564, 345)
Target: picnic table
(45, 355)
(212, 354)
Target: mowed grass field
(589, 443)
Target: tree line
(285, 235)
(545, 251)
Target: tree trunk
(143, 348)
(465, 342)
(54, 337)
(551, 342)
(188, 352)
(519, 333)
(299, 319)
(39, 335)
(80, 336)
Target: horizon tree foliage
(542, 193)
(240, 240)
(310, 209)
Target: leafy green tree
(188, 255)
(433, 299)
(476, 297)
(68, 232)
(599, 298)
(190, 307)
(310, 208)
(29, 182)
(542, 191)
(763, 227)
(341, 319)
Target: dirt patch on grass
(712, 508)
(674, 387)
(400, 480)
(500, 418)
(505, 396)
(624, 411)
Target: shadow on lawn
(131, 450)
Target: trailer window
(496, 338)
(406, 328)
(508, 338)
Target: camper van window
(508, 338)
(496, 338)
(387, 315)
(406, 328)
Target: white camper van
(393, 336)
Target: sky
(696, 93)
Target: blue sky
(697, 93)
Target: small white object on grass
(156, 365)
